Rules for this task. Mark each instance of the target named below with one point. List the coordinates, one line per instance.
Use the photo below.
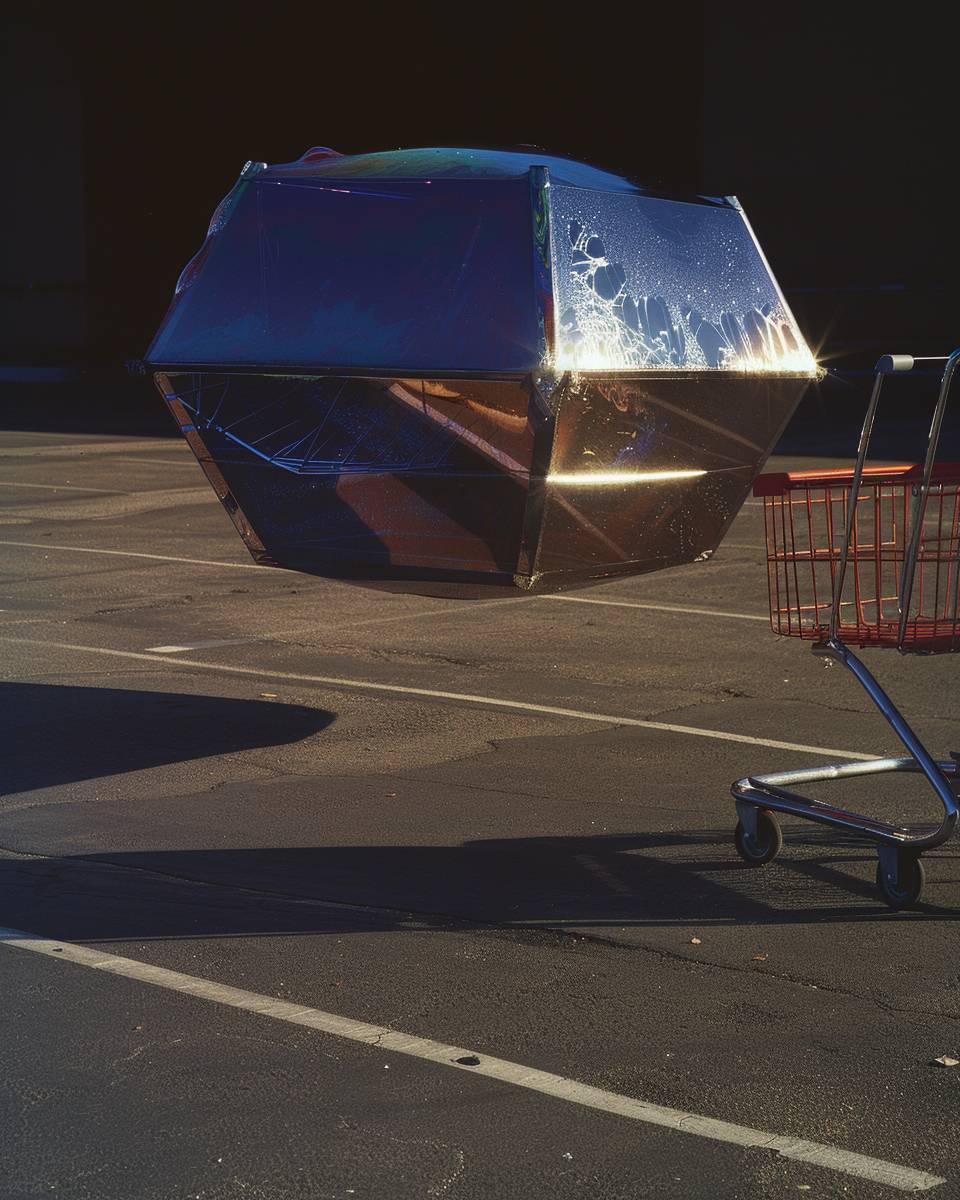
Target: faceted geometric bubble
(366, 358)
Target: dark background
(125, 126)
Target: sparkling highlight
(601, 478)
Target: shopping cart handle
(894, 362)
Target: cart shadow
(590, 884)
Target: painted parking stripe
(61, 487)
(250, 566)
(190, 462)
(80, 448)
(457, 609)
(336, 626)
(198, 562)
(831, 1158)
(396, 689)
(672, 608)
(602, 872)
(205, 562)
(207, 645)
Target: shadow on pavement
(56, 734)
(665, 879)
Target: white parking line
(396, 689)
(674, 608)
(476, 604)
(198, 562)
(377, 621)
(461, 609)
(62, 487)
(337, 626)
(559, 1087)
(603, 873)
(208, 645)
(166, 462)
(79, 448)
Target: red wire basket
(805, 516)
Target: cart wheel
(904, 890)
(765, 846)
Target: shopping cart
(870, 557)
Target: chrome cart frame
(758, 837)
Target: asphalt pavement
(400, 895)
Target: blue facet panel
(399, 276)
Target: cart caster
(762, 846)
(900, 880)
